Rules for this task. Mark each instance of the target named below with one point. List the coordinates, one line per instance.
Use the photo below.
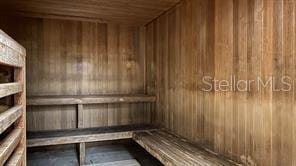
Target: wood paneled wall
(74, 58)
(243, 38)
(81, 58)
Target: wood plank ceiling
(132, 12)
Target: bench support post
(82, 153)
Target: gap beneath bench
(105, 153)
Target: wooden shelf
(46, 138)
(10, 89)
(88, 99)
(11, 53)
(10, 116)
(8, 145)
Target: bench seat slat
(17, 157)
(7, 89)
(58, 137)
(174, 150)
(9, 116)
(8, 144)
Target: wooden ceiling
(135, 12)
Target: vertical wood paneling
(266, 72)
(82, 58)
(242, 38)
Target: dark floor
(96, 154)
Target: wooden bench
(57, 137)
(83, 135)
(170, 149)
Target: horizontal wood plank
(9, 117)
(17, 157)
(58, 137)
(10, 89)
(131, 162)
(10, 57)
(8, 144)
(8, 41)
(99, 99)
(173, 150)
(11, 53)
(78, 139)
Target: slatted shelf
(173, 150)
(10, 89)
(10, 116)
(46, 138)
(88, 99)
(8, 144)
(17, 157)
(11, 53)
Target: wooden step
(8, 144)
(170, 149)
(10, 89)
(8, 117)
(88, 99)
(57, 137)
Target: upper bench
(89, 99)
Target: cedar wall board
(243, 38)
(81, 58)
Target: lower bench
(168, 148)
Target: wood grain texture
(59, 137)
(136, 12)
(87, 99)
(10, 116)
(78, 139)
(14, 89)
(82, 153)
(8, 145)
(178, 42)
(8, 41)
(243, 38)
(81, 58)
(9, 56)
(20, 99)
(131, 162)
(170, 149)
(17, 157)
(7, 89)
